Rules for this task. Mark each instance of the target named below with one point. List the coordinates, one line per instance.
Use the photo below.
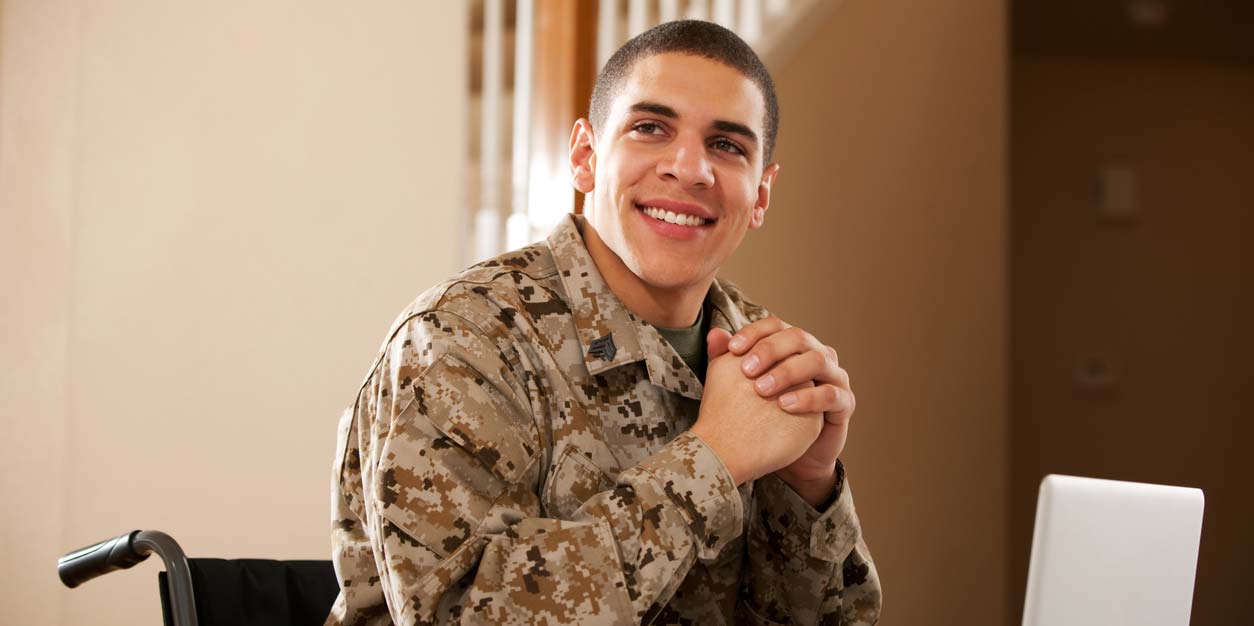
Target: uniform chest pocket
(574, 480)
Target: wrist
(739, 473)
(817, 491)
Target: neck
(667, 307)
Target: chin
(665, 276)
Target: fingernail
(751, 364)
(788, 399)
(737, 343)
(766, 383)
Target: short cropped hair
(697, 38)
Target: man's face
(684, 134)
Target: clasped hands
(776, 400)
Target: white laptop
(1111, 553)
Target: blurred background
(1024, 224)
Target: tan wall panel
(886, 237)
(252, 191)
(38, 98)
(1165, 298)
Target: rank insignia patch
(603, 348)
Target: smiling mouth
(680, 219)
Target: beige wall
(1166, 298)
(887, 237)
(209, 214)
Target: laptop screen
(1111, 553)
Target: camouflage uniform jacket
(518, 455)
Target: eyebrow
(736, 128)
(722, 125)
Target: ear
(583, 156)
(764, 196)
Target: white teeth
(674, 218)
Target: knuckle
(747, 331)
(768, 324)
(764, 353)
(842, 376)
(780, 346)
(813, 364)
(759, 329)
(831, 354)
(829, 394)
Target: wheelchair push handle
(125, 551)
(107, 556)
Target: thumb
(716, 342)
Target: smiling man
(595, 429)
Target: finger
(775, 348)
(827, 448)
(716, 342)
(806, 386)
(749, 334)
(837, 376)
(846, 413)
(831, 353)
(794, 369)
(834, 403)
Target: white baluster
(724, 13)
(488, 218)
(487, 234)
(607, 31)
(776, 8)
(749, 22)
(637, 17)
(667, 10)
(517, 228)
(698, 10)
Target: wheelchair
(214, 592)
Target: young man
(570, 434)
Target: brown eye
(647, 128)
(727, 145)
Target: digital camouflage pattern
(496, 469)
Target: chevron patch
(603, 348)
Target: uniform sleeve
(360, 602)
(449, 464)
(807, 567)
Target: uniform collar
(610, 335)
(726, 313)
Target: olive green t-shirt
(690, 343)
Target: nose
(687, 163)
